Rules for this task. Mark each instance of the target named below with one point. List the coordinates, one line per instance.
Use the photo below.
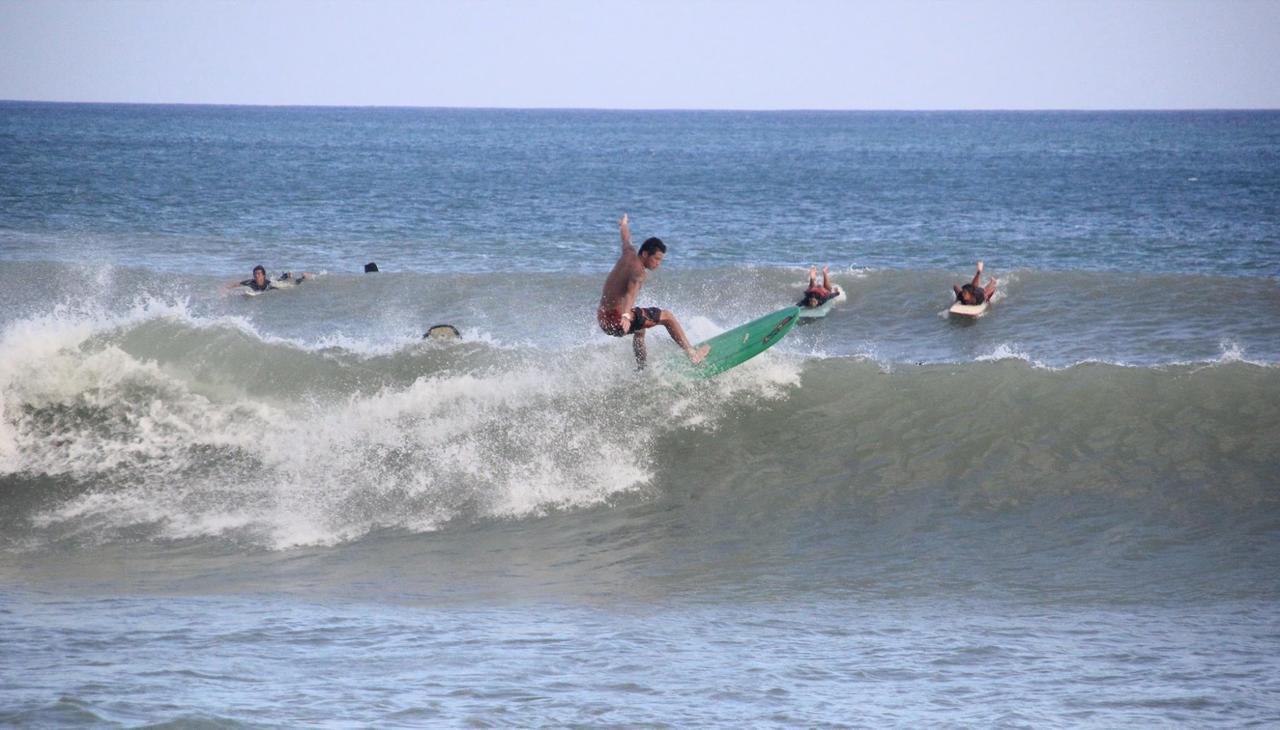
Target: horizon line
(641, 109)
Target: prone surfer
(261, 283)
(617, 314)
(973, 293)
(815, 296)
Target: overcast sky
(899, 54)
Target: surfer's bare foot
(979, 267)
(698, 355)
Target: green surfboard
(740, 344)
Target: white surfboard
(825, 308)
(972, 311)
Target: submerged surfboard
(973, 311)
(740, 344)
(825, 308)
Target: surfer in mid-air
(618, 314)
(974, 293)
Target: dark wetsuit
(254, 285)
(285, 277)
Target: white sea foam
(1229, 353)
(502, 445)
(1233, 352)
(498, 441)
(1011, 351)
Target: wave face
(159, 425)
(1120, 389)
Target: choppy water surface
(289, 509)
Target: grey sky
(904, 54)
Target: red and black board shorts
(641, 318)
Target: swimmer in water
(261, 283)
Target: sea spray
(178, 426)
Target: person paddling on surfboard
(816, 296)
(973, 293)
(261, 283)
(618, 314)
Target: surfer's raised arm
(624, 228)
(974, 293)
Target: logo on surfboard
(776, 328)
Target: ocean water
(220, 510)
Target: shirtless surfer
(618, 315)
(973, 292)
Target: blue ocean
(221, 509)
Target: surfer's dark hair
(652, 244)
(258, 268)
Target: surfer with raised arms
(973, 293)
(618, 314)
